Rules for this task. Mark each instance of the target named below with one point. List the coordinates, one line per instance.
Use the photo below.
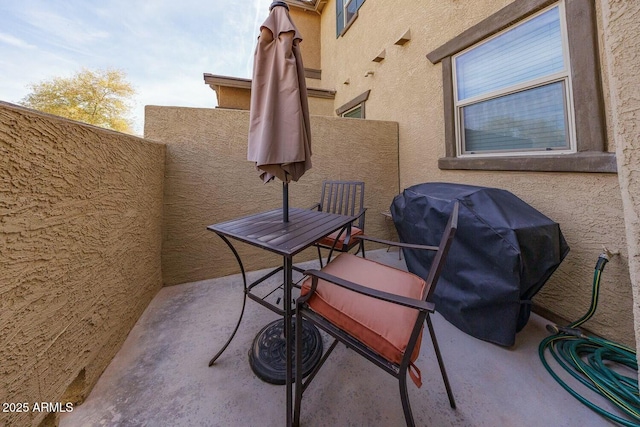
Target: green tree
(99, 98)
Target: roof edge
(242, 83)
(310, 5)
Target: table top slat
(266, 229)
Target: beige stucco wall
(240, 99)
(209, 180)
(234, 98)
(622, 58)
(308, 24)
(407, 88)
(320, 106)
(80, 240)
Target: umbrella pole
(285, 202)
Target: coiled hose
(587, 359)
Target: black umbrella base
(267, 355)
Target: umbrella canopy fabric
(279, 130)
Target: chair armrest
(361, 213)
(355, 218)
(385, 296)
(398, 244)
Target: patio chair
(376, 310)
(346, 198)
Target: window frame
(342, 24)
(346, 9)
(588, 106)
(357, 107)
(563, 76)
(358, 101)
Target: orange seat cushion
(382, 326)
(328, 240)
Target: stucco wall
(308, 24)
(240, 99)
(622, 56)
(320, 106)
(80, 240)
(234, 98)
(407, 88)
(209, 180)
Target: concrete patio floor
(160, 375)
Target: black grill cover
(503, 252)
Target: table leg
(244, 300)
(288, 284)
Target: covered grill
(503, 253)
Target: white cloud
(14, 41)
(163, 46)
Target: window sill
(596, 162)
(349, 24)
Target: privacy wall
(80, 239)
(209, 180)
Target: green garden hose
(588, 360)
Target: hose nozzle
(603, 259)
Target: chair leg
(404, 397)
(452, 401)
(319, 256)
(362, 247)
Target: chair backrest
(441, 254)
(343, 197)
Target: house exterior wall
(308, 24)
(209, 180)
(406, 88)
(320, 106)
(234, 98)
(240, 99)
(622, 57)
(80, 236)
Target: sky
(163, 46)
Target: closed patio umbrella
(280, 146)
(279, 132)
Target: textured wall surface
(308, 25)
(209, 180)
(622, 54)
(240, 99)
(406, 88)
(80, 242)
(320, 106)
(234, 98)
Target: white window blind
(526, 52)
(512, 92)
(529, 120)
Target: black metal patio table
(268, 231)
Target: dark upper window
(354, 108)
(522, 91)
(346, 13)
(355, 113)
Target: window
(355, 113)
(355, 107)
(512, 92)
(522, 91)
(346, 13)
